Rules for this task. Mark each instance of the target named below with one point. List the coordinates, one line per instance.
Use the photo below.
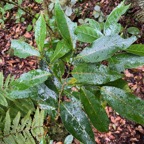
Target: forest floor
(121, 131)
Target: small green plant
(75, 88)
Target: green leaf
(16, 121)
(1, 79)
(104, 48)
(8, 6)
(121, 62)
(76, 122)
(68, 139)
(38, 1)
(3, 100)
(94, 74)
(65, 26)
(133, 30)
(93, 24)
(137, 49)
(58, 69)
(87, 34)
(110, 25)
(126, 104)
(48, 100)
(94, 110)
(30, 79)
(7, 124)
(120, 83)
(20, 94)
(40, 32)
(62, 48)
(23, 50)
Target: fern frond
(23, 131)
(6, 102)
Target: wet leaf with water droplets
(65, 26)
(30, 79)
(126, 104)
(94, 109)
(113, 18)
(23, 50)
(103, 48)
(121, 62)
(76, 122)
(94, 74)
(87, 34)
(40, 32)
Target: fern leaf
(7, 124)
(23, 131)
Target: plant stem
(47, 15)
(60, 94)
(17, 5)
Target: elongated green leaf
(16, 121)
(7, 124)
(137, 49)
(87, 34)
(94, 74)
(3, 100)
(121, 62)
(23, 50)
(40, 32)
(104, 48)
(126, 104)
(76, 122)
(28, 93)
(30, 79)
(1, 79)
(61, 49)
(65, 26)
(110, 26)
(120, 83)
(94, 110)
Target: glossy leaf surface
(110, 24)
(48, 100)
(94, 74)
(104, 48)
(87, 34)
(23, 50)
(30, 79)
(59, 69)
(126, 104)
(40, 32)
(68, 139)
(76, 122)
(137, 49)
(93, 24)
(94, 109)
(62, 48)
(65, 26)
(121, 62)
(20, 94)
